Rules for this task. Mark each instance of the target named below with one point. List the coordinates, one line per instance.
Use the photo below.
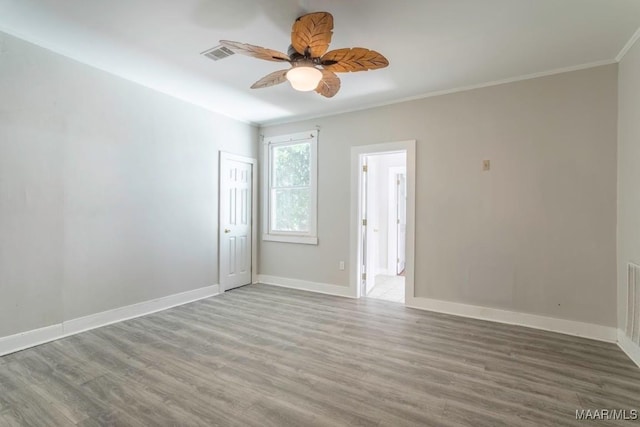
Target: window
(290, 194)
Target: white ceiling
(432, 45)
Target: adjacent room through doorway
(384, 205)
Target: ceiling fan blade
(352, 60)
(255, 51)
(329, 85)
(271, 79)
(311, 34)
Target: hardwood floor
(267, 356)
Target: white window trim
(310, 238)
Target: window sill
(304, 240)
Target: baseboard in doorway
(629, 347)
(303, 285)
(552, 324)
(32, 338)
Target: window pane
(290, 210)
(291, 166)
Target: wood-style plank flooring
(267, 356)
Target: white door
(236, 194)
(401, 221)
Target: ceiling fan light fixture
(313, 67)
(304, 78)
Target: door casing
(356, 251)
(399, 220)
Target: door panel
(236, 178)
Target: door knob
(226, 230)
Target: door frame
(224, 156)
(357, 155)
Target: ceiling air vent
(217, 53)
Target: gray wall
(628, 173)
(108, 190)
(536, 234)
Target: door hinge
(398, 182)
(364, 276)
(398, 260)
(364, 168)
(364, 222)
(397, 221)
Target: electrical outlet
(486, 165)
(341, 266)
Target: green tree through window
(290, 200)
(291, 187)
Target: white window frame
(311, 237)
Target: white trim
(283, 238)
(310, 238)
(277, 121)
(563, 326)
(629, 347)
(35, 337)
(321, 288)
(627, 47)
(46, 44)
(392, 224)
(254, 209)
(552, 324)
(293, 119)
(32, 338)
(357, 153)
(120, 314)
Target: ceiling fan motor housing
(293, 54)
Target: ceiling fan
(312, 67)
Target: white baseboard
(32, 338)
(321, 288)
(563, 326)
(35, 337)
(629, 347)
(105, 318)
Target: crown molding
(444, 92)
(627, 47)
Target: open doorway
(384, 225)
